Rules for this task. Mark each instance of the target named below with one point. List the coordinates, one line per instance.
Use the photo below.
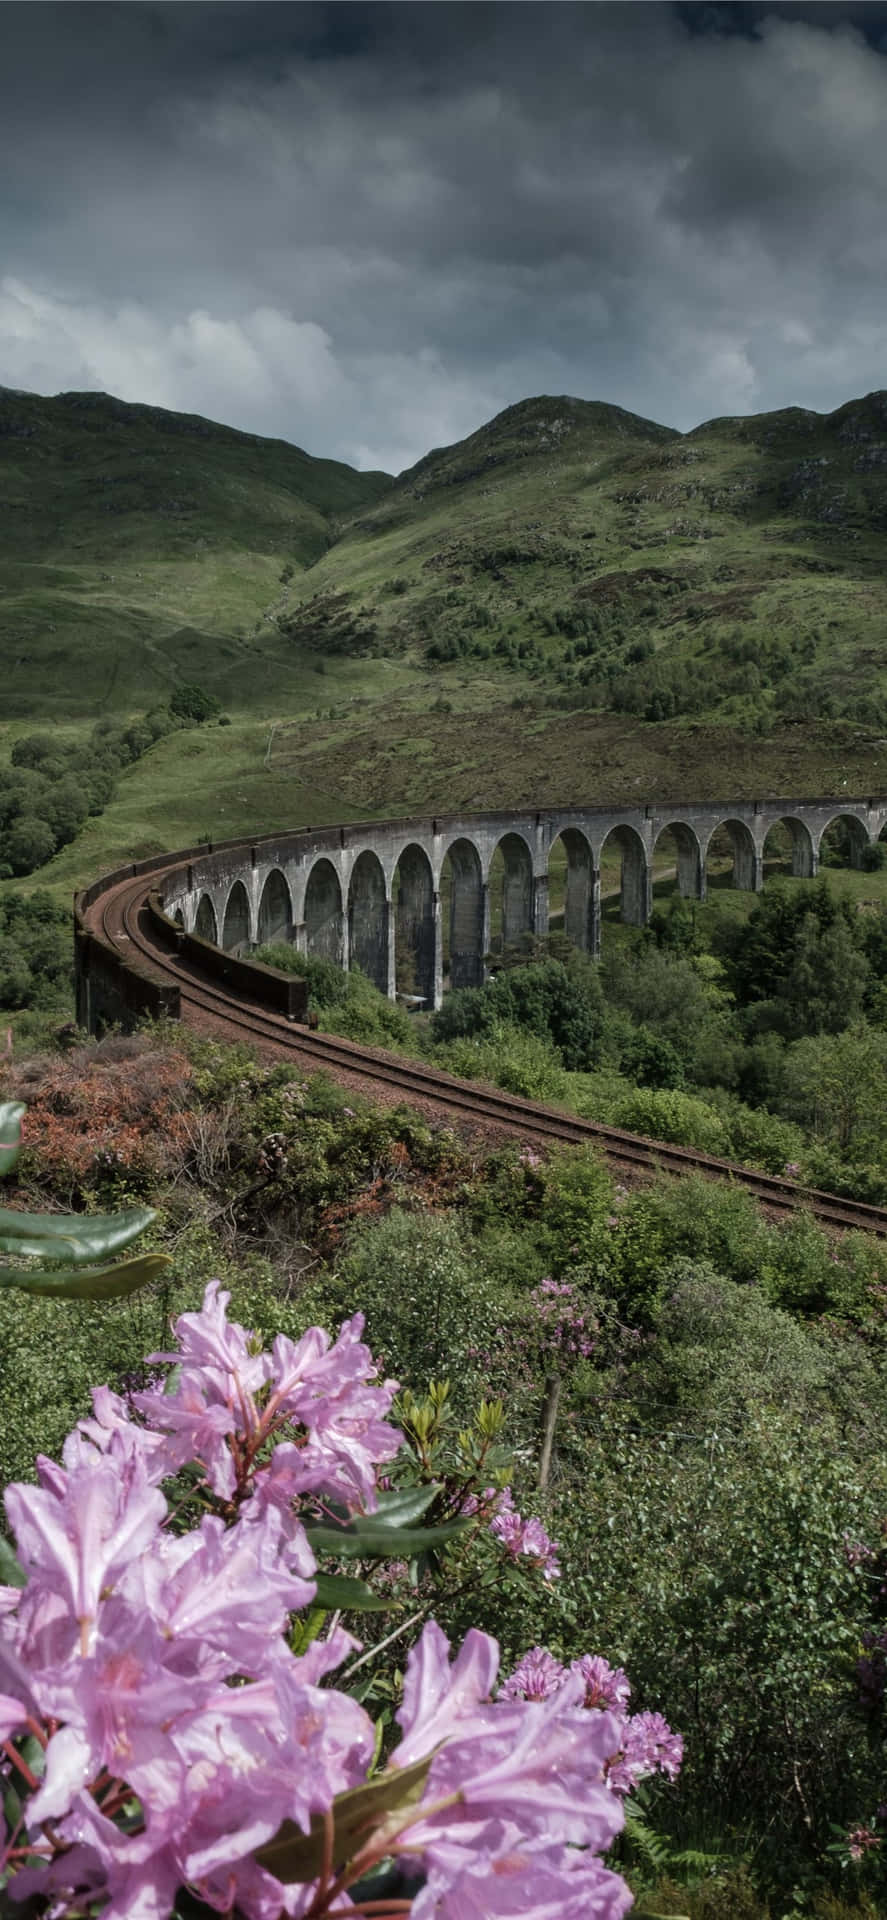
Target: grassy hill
(738, 572)
(140, 548)
(573, 602)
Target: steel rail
(123, 918)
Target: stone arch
(414, 924)
(465, 927)
(577, 885)
(634, 877)
(803, 853)
(179, 918)
(206, 925)
(734, 840)
(685, 854)
(235, 926)
(849, 839)
(368, 919)
(324, 919)
(510, 891)
(275, 920)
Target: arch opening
(463, 910)
(731, 858)
(275, 921)
(324, 919)
(676, 864)
(788, 848)
(206, 925)
(414, 926)
(235, 927)
(510, 888)
(571, 889)
(368, 920)
(624, 872)
(844, 842)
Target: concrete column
(748, 865)
(300, 937)
(691, 869)
(484, 926)
(637, 892)
(594, 914)
(437, 925)
(389, 935)
(540, 903)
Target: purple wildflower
(536, 1677)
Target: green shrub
(667, 1114)
(432, 1312)
(761, 1139)
(507, 1057)
(560, 1004)
(577, 1198)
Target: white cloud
(369, 246)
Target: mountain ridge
(736, 570)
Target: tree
(834, 1084)
(33, 748)
(798, 963)
(190, 702)
(28, 843)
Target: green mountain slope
(736, 572)
(733, 576)
(139, 548)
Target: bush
(761, 1139)
(28, 843)
(35, 952)
(560, 1004)
(431, 1313)
(193, 704)
(667, 1114)
(510, 1058)
(345, 1003)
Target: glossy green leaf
(366, 1540)
(87, 1283)
(395, 1509)
(406, 1505)
(11, 1114)
(73, 1237)
(11, 1573)
(341, 1590)
(294, 1855)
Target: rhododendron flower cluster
(566, 1327)
(160, 1733)
(647, 1744)
(521, 1539)
(524, 1539)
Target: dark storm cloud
(369, 227)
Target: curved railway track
(121, 919)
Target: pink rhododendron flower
(156, 1669)
(535, 1677)
(510, 1777)
(81, 1529)
(524, 1539)
(605, 1686)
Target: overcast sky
(367, 228)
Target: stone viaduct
(371, 895)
